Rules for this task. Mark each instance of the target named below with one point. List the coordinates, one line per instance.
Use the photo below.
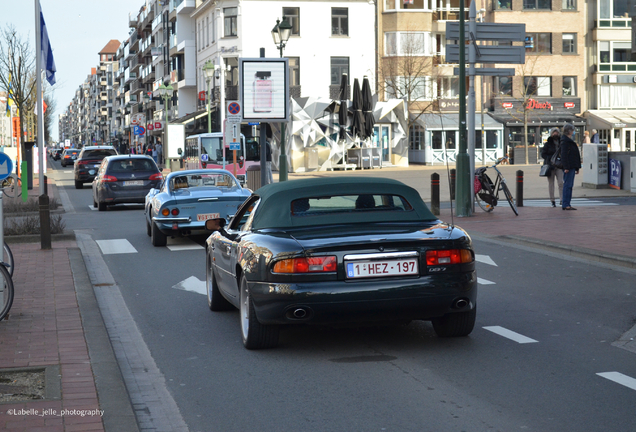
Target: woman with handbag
(549, 149)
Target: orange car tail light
(307, 265)
(448, 256)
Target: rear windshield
(349, 204)
(203, 180)
(98, 153)
(131, 165)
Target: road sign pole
(462, 193)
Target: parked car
(186, 199)
(69, 156)
(124, 179)
(88, 162)
(339, 250)
(56, 154)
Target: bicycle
(6, 291)
(487, 191)
(12, 186)
(7, 259)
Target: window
(448, 87)
(230, 21)
(568, 5)
(604, 51)
(408, 44)
(613, 9)
(416, 136)
(293, 17)
(502, 86)
(339, 21)
(569, 43)
(539, 43)
(569, 86)
(414, 88)
(537, 4)
(537, 86)
(503, 4)
(621, 51)
(339, 66)
(207, 30)
(294, 71)
(491, 139)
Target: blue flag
(46, 53)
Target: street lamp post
(146, 98)
(166, 93)
(280, 34)
(208, 69)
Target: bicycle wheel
(508, 195)
(7, 259)
(485, 196)
(12, 186)
(6, 292)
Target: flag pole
(38, 83)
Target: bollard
(452, 183)
(45, 222)
(519, 188)
(46, 186)
(435, 193)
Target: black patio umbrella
(357, 125)
(342, 111)
(367, 109)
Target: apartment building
(612, 87)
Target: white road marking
(481, 281)
(92, 208)
(116, 246)
(485, 259)
(182, 243)
(192, 284)
(619, 378)
(576, 202)
(510, 334)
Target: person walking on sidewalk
(549, 148)
(571, 159)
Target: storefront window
(451, 140)
(491, 139)
(436, 140)
(416, 137)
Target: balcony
(616, 23)
(449, 14)
(130, 76)
(156, 23)
(147, 74)
(132, 21)
(185, 6)
(617, 67)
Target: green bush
(30, 224)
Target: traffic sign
(205, 157)
(139, 130)
(6, 166)
(489, 31)
(233, 111)
(490, 54)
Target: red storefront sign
(568, 104)
(533, 104)
(201, 95)
(150, 126)
(506, 104)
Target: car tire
(94, 203)
(216, 301)
(79, 185)
(157, 237)
(255, 335)
(148, 228)
(455, 324)
(101, 206)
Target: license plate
(365, 269)
(133, 183)
(206, 216)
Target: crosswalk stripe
(619, 378)
(509, 334)
(579, 202)
(485, 281)
(117, 246)
(192, 284)
(182, 243)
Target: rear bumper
(111, 196)
(423, 298)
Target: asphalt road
(544, 330)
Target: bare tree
(405, 72)
(17, 68)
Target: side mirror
(215, 224)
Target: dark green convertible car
(339, 250)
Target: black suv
(88, 162)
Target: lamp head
(276, 33)
(284, 29)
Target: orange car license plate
(206, 216)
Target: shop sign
(615, 173)
(150, 127)
(506, 105)
(201, 95)
(449, 104)
(569, 104)
(157, 126)
(533, 104)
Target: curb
(111, 391)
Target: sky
(78, 30)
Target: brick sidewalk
(44, 329)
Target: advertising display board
(264, 88)
(615, 173)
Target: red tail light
(450, 256)
(157, 176)
(307, 265)
(81, 162)
(109, 179)
(175, 211)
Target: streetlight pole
(280, 34)
(166, 93)
(208, 69)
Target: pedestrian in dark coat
(571, 158)
(549, 148)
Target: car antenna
(450, 186)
